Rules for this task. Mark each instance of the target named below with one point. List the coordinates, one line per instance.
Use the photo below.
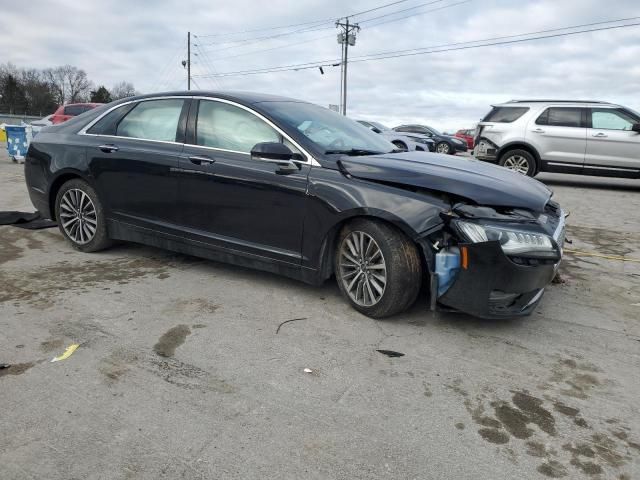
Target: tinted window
(610, 119)
(505, 114)
(152, 120)
(107, 124)
(228, 127)
(561, 117)
(74, 110)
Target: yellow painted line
(600, 255)
(67, 353)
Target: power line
(328, 36)
(402, 11)
(311, 24)
(429, 50)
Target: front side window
(228, 127)
(152, 120)
(561, 117)
(505, 114)
(611, 119)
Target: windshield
(379, 126)
(332, 132)
(434, 131)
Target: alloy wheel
(517, 163)
(363, 271)
(443, 148)
(78, 216)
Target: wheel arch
(520, 145)
(61, 178)
(328, 246)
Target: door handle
(600, 135)
(538, 130)
(201, 160)
(108, 148)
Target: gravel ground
(182, 372)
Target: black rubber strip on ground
(30, 221)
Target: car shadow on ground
(599, 184)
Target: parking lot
(187, 369)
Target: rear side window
(505, 114)
(561, 117)
(107, 125)
(74, 110)
(152, 120)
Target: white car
(563, 136)
(38, 125)
(406, 143)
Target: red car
(65, 112)
(467, 136)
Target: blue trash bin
(17, 141)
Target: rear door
(611, 144)
(559, 134)
(134, 156)
(231, 201)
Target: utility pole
(188, 60)
(345, 38)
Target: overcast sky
(143, 41)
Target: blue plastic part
(17, 142)
(447, 268)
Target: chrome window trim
(311, 159)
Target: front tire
(377, 268)
(443, 148)
(81, 217)
(519, 161)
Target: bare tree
(69, 83)
(123, 90)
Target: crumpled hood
(481, 182)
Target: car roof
(580, 103)
(242, 96)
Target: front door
(612, 147)
(232, 201)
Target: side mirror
(376, 130)
(636, 127)
(275, 152)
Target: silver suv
(563, 136)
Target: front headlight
(513, 242)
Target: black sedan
(294, 188)
(445, 144)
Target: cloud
(145, 41)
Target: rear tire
(444, 148)
(377, 268)
(519, 161)
(80, 216)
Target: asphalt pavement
(186, 370)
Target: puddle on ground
(170, 340)
(547, 425)
(17, 369)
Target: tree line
(31, 91)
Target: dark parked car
(402, 142)
(445, 144)
(294, 188)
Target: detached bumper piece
(493, 286)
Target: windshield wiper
(353, 152)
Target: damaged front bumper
(494, 286)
